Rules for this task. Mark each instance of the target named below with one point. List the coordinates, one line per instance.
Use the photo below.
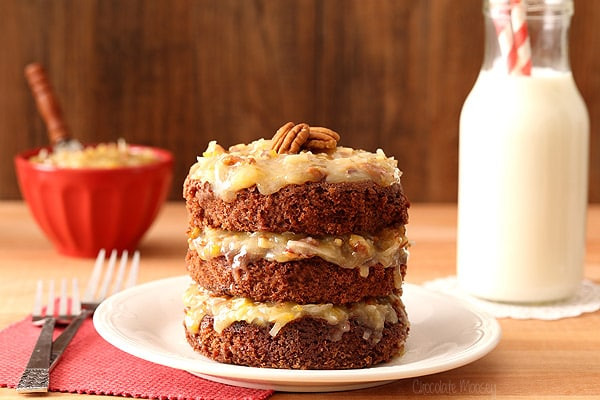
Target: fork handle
(36, 377)
(61, 342)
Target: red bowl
(84, 210)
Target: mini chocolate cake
(297, 249)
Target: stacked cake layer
(297, 259)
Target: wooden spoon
(49, 108)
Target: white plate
(147, 321)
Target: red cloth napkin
(93, 366)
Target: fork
(95, 292)
(46, 353)
(36, 375)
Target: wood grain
(176, 74)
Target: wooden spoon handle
(47, 103)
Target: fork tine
(133, 272)
(62, 301)
(75, 301)
(92, 285)
(51, 298)
(37, 303)
(108, 275)
(121, 272)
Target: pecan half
(321, 139)
(320, 133)
(291, 138)
(280, 135)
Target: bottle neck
(547, 25)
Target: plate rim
(383, 372)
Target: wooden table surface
(550, 359)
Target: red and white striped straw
(510, 21)
(518, 16)
(502, 23)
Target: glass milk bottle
(523, 160)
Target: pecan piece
(316, 173)
(290, 138)
(230, 160)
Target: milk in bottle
(523, 162)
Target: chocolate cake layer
(311, 280)
(306, 343)
(314, 208)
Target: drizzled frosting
(372, 313)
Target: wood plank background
(176, 74)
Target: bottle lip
(535, 8)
